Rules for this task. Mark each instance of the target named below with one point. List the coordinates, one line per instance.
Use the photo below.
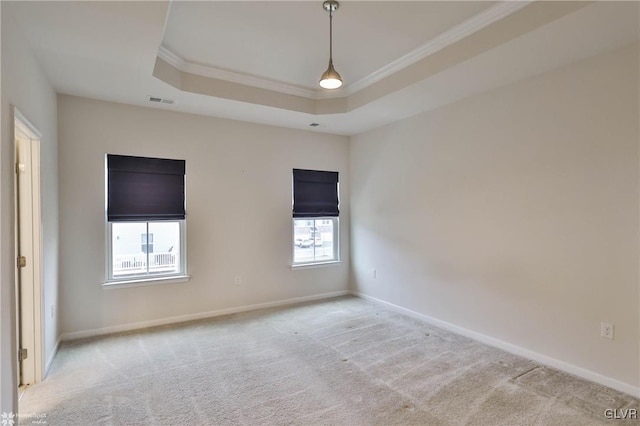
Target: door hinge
(22, 261)
(22, 354)
(20, 168)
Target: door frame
(29, 303)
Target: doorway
(28, 250)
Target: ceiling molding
(171, 58)
(485, 18)
(232, 76)
(447, 38)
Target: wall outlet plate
(606, 330)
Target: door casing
(28, 232)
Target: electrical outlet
(374, 273)
(606, 330)
(238, 280)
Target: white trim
(166, 21)
(509, 347)
(25, 121)
(38, 301)
(172, 279)
(233, 76)
(52, 357)
(171, 58)
(466, 28)
(315, 265)
(202, 315)
(32, 228)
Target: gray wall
(238, 212)
(25, 86)
(513, 214)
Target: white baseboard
(47, 366)
(191, 317)
(509, 347)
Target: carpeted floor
(339, 362)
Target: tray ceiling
(260, 61)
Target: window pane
(313, 240)
(147, 243)
(164, 247)
(127, 256)
(136, 252)
(324, 241)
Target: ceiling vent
(161, 100)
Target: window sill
(315, 265)
(174, 279)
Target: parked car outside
(309, 241)
(310, 238)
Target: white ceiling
(260, 61)
(289, 41)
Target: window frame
(336, 243)
(139, 279)
(148, 279)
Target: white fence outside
(130, 264)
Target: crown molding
(487, 17)
(233, 76)
(171, 58)
(457, 33)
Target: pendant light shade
(330, 78)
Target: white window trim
(296, 266)
(336, 244)
(137, 281)
(174, 279)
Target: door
(28, 250)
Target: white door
(28, 261)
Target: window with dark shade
(315, 193)
(146, 226)
(316, 237)
(145, 189)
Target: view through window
(145, 248)
(313, 240)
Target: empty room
(320, 212)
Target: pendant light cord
(331, 35)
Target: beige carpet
(341, 362)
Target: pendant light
(330, 79)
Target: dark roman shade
(144, 189)
(315, 193)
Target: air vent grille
(161, 100)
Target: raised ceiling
(260, 61)
(288, 42)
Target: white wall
(238, 212)
(25, 86)
(513, 214)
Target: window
(313, 240)
(129, 259)
(315, 217)
(145, 218)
